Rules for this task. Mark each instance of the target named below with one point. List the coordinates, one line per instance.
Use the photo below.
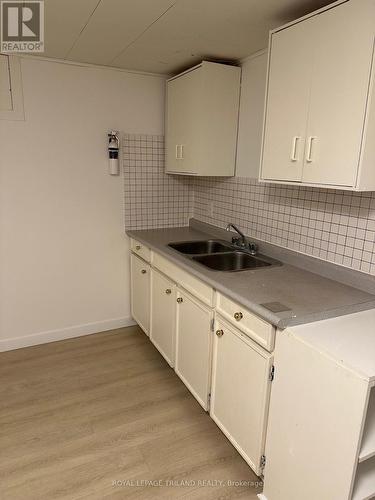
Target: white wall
(63, 254)
(253, 87)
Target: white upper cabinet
(320, 107)
(202, 120)
(287, 104)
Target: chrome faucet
(242, 241)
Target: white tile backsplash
(337, 226)
(152, 198)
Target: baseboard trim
(65, 333)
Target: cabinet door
(140, 292)
(315, 420)
(289, 77)
(182, 123)
(240, 391)
(193, 345)
(163, 315)
(341, 60)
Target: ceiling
(163, 36)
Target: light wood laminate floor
(78, 415)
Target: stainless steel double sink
(220, 255)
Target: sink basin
(220, 255)
(233, 261)
(201, 247)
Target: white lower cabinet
(240, 391)
(163, 315)
(321, 429)
(140, 292)
(193, 345)
(228, 373)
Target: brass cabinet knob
(168, 291)
(219, 333)
(180, 300)
(238, 316)
(143, 271)
(138, 247)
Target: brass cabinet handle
(238, 316)
(168, 291)
(219, 333)
(138, 247)
(180, 300)
(143, 271)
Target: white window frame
(17, 113)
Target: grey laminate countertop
(307, 295)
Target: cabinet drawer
(193, 285)
(140, 250)
(256, 328)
